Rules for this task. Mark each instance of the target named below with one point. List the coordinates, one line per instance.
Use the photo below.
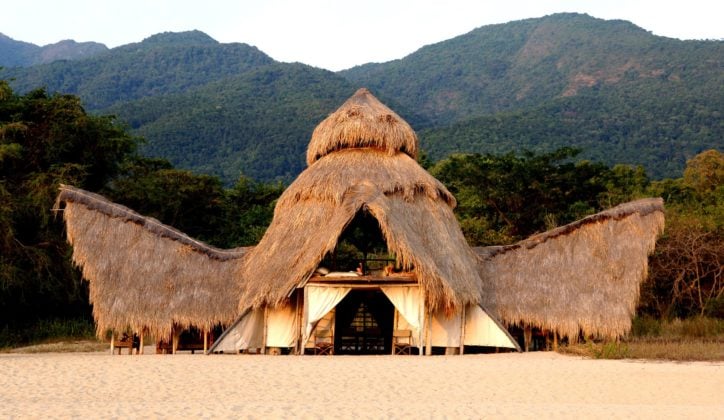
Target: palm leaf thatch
(414, 211)
(584, 276)
(146, 275)
(362, 121)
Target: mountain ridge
(610, 87)
(19, 53)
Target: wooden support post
(302, 329)
(174, 340)
(428, 337)
(113, 336)
(527, 337)
(140, 342)
(301, 295)
(263, 337)
(206, 340)
(555, 340)
(547, 335)
(462, 331)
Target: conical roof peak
(362, 121)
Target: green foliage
(677, 329)
(619, 124)
(46, 140)
(609, 88)
(258, 122)
(507, 197)
(251, 208)
(161, 64)
(192, 203)
(686, 269)
(47, 329)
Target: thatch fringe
(99, 203)
(580, 277)
(362, 121)
(415, 215)
(330, 179)
(145, 275)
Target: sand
(98, 385)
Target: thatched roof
(143, 274)
(583, 276)
(362, 121)
(414, 211)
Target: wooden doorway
(363, 323)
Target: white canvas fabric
(407, 302)
(317, 302)
(446, 331)
(245, 334)
(282, 326)
(481, 330)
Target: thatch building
(580, 278)
(434, 292)
(145, 276)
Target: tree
(507, 197)
(46, 140)
(686, 269)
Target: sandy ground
(98, 385)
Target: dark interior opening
(363, 323)
(361, 247)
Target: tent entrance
(363, 323)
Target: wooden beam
(555, 340)
(527, 337)
(421, 308)
(113, 336)
(263, 337)
(462, 331)
(206, 340)
(428, 336)
(174, 340)
(140, 342)
(301, 299)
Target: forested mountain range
(18, 53)
(618, 92)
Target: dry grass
(689, 350)
(63, 346)
(700, 339)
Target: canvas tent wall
(446, 331)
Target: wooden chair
(401, 342)
(127, 341)
(323, 343)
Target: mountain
(22, 54)
(611, 88)
(525, 63)
(608, 87)
(161, 64)
(257, 123)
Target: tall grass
(677, 329)
(698, 338)
(46, 330)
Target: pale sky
(331, 34)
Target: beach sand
(532, 385)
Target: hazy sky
(331, 34)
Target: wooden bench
(125, 341)
(186, 340)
